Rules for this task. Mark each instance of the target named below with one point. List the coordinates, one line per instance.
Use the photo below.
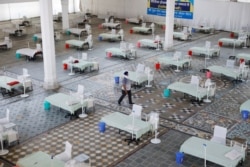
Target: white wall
(222, 15)
(10, 11)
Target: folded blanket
(13, 83)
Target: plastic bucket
(166, 92)
(117, 79)
(102, 127)
(179, 156)
(46, 105)
(244, 114)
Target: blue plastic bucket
(100, 38)
(18, 55)
(34, 38)
(179, 156)
(46, 105)
(166, 92)
(244, 114)
(102, 127)
(68, 32)
(117, 79)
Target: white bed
(245, 56)
(231, 42)
(111, 25)
(6, 44)
(135, 20)
(9, 83)
(126, 50)
(66, 102)
(137, 77)
(79, 31)
(184, 35)
(190, 89)
(177, 60)
(87, 43)
(29, 52)
(234, 73)
(206, 50)
(156, 43)
(215, 152)
(14, 31)
(38, 36)
(81, 64)
(112, 36)
(145, 30)
(203, 29)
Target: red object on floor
(220, 43)
(232, 35)
(109, 54)
(138, 44)
(190, 52)
(157, 66)
(66, 45)
(65, 66)
(100, 26)
(163, 27)
(131, 31)
(241, 61)
(208, 74)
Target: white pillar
(65, 14)
(169, 43)
(48, 44)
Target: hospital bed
(111, 24)
(135, 20)
(149, 43)
(177, 60)
(38, 36)
(143, 29)
(211, 151)
(203, 29)
(23, 22)
(30, 53)
(79, 31)
(80, 64)
(239, 42)
(244, 56)
(67, 102)
(8, 84)
(241, 32)
(86, 44)
(163, 24)
(126, 51)
(39, 159)
(190, 89)
(137, 77)
(234, 73)
(125, 123)
(184, 35)
(15, 30)
(6, 44)
(206, 50)
(112, 36)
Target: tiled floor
(180, 118)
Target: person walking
(126, 89)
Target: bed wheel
(18, 33)
(85, 46)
